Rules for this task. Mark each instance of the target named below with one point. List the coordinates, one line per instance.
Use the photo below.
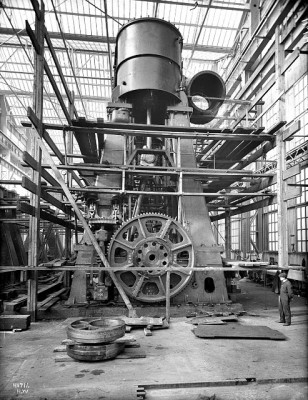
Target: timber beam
(32, 187)
(32, 163)
(49, 141)
(241, 210)
(261, 185)
(28, 209)
(48, 71)
(59, 69)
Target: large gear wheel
(152, 241)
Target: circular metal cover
(96, 330)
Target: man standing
(286, 295)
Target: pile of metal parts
(148, 226)
(95, 339)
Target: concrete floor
(174, 355)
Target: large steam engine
(147, 225)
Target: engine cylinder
(148, 58)
(201, 91)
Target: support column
(254, 15)
(69, 181)
(34, 224)
(281, 158)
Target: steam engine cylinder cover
(148, 57)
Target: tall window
(301, 227)
(302, 178)
(235, 233)
(302, 213)
(272, 224)
(297, 104)
(270, 114)
(273, 231)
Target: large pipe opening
(206, 92)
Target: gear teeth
(126, 224)
(143, 215)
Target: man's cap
(283, 275)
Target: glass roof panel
(209, 29)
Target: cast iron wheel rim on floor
(97, 352)
(96, 330)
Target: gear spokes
(151, 241)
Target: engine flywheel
(153, 241)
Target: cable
(107, 15)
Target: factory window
(271, 116)
(273, 231)
(302, 213)
(302, 179)
(297, 104)
(272, 214)
(300, 95)
(301, 228)
(235, 233)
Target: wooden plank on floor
(206, 321)
(142, 321)
(237, 331)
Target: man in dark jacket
(286, 295)
(276, 283)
